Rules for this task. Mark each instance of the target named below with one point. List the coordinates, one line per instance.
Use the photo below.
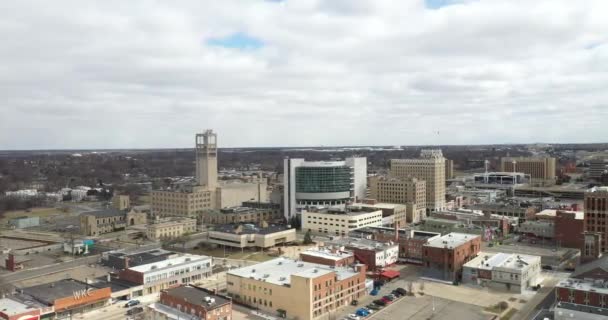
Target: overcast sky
(144, 74)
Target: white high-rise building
(323, 183)
(430, 167)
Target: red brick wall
(563, 294)
(452, 260)
(132, 276)
(569, 231)
(367, 257)
(328, 262)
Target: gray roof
(279, 271)
(250, 228)
(601, 263)
(197, 296)
(107, 212)
(582, 308)
(49, 292)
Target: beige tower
(206, 159)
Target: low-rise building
(445, 256)
(410, 240)
(119, 260)
(244, 214)
(400, 190)
(399, 214)
(503, 271)
(251, 235)
(583, 299)
(24, 222)
(339, 221)
(538, 228)
(328, 256)
(188, 201)
(296, 289)
(173, 227)
(193, 303)
(168, 273)
(68, 297)
(507, 210)
(374, 254)
(12, 309)
(108, 220)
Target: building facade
(108, 220)
(339, 223)
(188, 201)
(583, 299)
(374, 254)
(502, 271)
(322, 183)
(596, 212)
(541, 170)
(399, 190)
(271, 213)
(251, 236)
(449, 169)
(170, 228)
(167, 273)
(193, 303)
(24, 222)
(430, 167)
(296, 289)
(445, 256)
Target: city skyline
(359, 73)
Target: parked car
(368, 310)
(386, 300)
(354, 302)
(390, 298)
(402, 291)
(547, 267)
(373, 307)
(361, 313)
(380, 302)
(374, 292)
(131, 303)
(354, 317)
(393, 296)
(136, 310)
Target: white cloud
(129, 74)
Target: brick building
(444, 256)
(295, 289)
(596, 212)
(581, 299)
(374, 254)
(328, 257)
(410, 241)
(570, 229)
(597, 270)
(191, 302)
(12, 309)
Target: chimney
(126, 262)
(108, 278)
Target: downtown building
(206, 193)
(540, 169)
(295, 289)
(444, 257)
(322, 183)
(430, 167)
(192, 303)
(407, 191)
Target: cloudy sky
(144, 74)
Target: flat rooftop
(489, 261)
(49, 292)
(599, 286)
(13, 307)
(279, 271)
(361, 243)
(187, 258)
(199, 296)
(327, 254)
(250, 228)
(140, 258)
(580, 215)
(451, 240)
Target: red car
(386, 300)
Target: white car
(354, 317)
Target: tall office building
(596, 213)
(449, 169)
(541, 170)
(597, 167)
(322, 183)
(398, 190)
(430, 167)
(206, 159)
